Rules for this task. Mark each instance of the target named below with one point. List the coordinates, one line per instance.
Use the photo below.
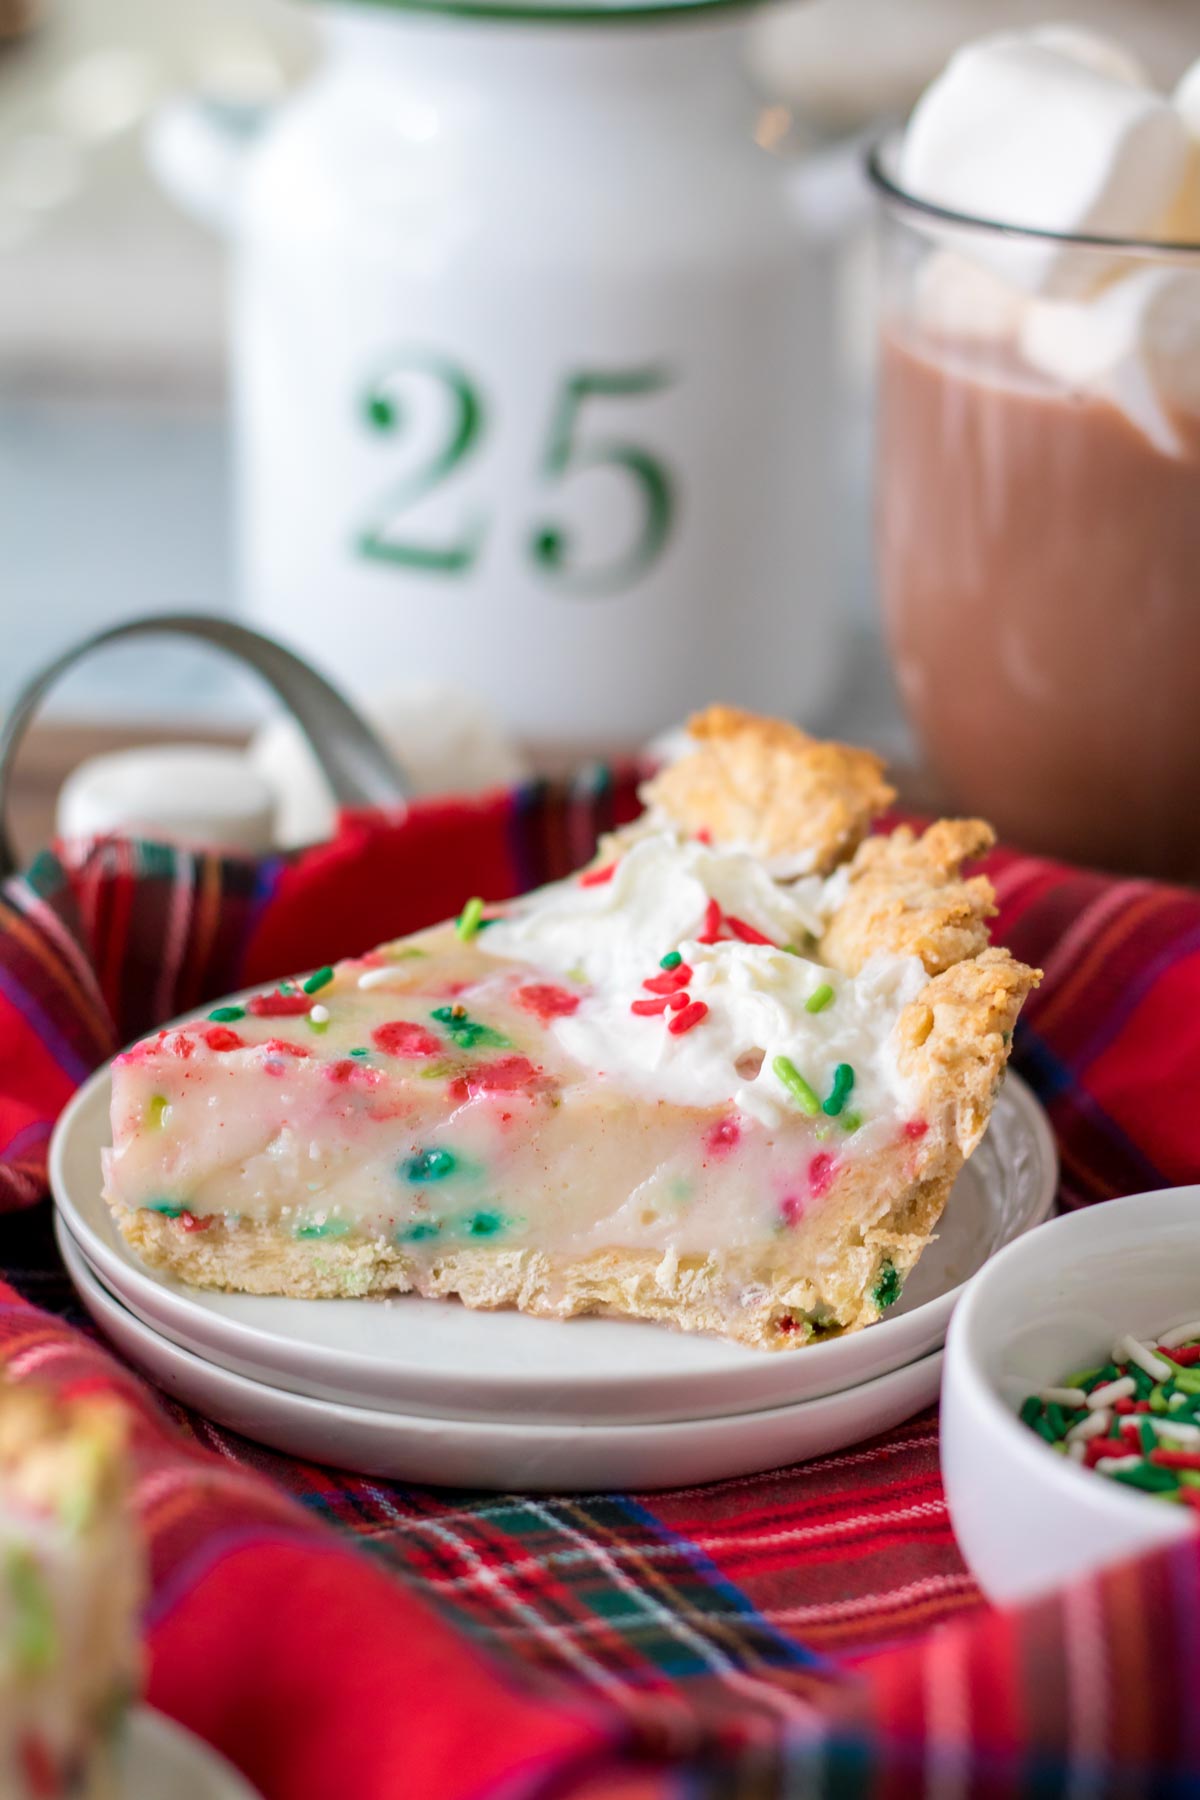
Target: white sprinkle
(1175, 1401)
(1063, 1396)
(1076, 1451)
(1111, 1392)
(1095, 1425)
(1178, 1429)
(376, 977)
(1106, 1464)
(319, 1015)
(1128, 1349)
(1180, 1334)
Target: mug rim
(889, 188)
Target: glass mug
(1038, 527)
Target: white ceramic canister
(533, 350)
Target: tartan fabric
(767, 1636)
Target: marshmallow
(1100, 54)
(444, 740)
(954, 297)
(1181, 224)
(1018, 133)
(1137, 344)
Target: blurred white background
(114, 454)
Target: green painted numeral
(567, 454)
(384, 412)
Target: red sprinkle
(1098, 1447)
(546, 1002)
(281, 1047)
(722, 1136)
(791, 1209)
(279, 1006)
(691, 1015)
(916, 1128)
(1123, 1406)
(821, 1171)
(1186, 1355)
(747, 933)
(646, 1009)
(38, 1767)
(670, 981)
(189, 1222)
(404, 1037)
(712, 924)
(219, 1037)
(1175, 1459)
(507, 1075)
(677, 1002)
(786, 1324)
(598, 877)
(180, 1044)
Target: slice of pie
(723, 1078)
(70, 1595)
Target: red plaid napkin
(337, 1636)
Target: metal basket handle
(358, 768)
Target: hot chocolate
(1039, 445)
(1040, 559)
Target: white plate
(509, 1457)
(436, 1357)
(160, 1758)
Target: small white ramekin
(1026, 1519)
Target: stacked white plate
(429, 1391)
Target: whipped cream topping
(610, 936)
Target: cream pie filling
(375, 1110)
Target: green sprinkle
(1147, 1476)
(1056, 1421)
(359, 1050)
(418, 1232)
(819, 999)
(470, 918)
(1148, 1436)
(1110, 1372)
(1142, 1383)
(468, 1033)
(317, 1025)
(1082, 1378)
(851, 1121)
(671, 960)
(887, 1288)
(168, 1208)
(157, 1111)
(1031, 1409)
(35, 1640)
(1188, 1381)
(317, 980)
(787, 1072)
(1189, 1477)
(485, 1224)
(430, 1165)
(408, 954)
(225, 1015)
(1044, 1431)
(843, 1081)
(1158, 1400)
(331, 1228)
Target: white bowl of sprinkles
(1089, 1299)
